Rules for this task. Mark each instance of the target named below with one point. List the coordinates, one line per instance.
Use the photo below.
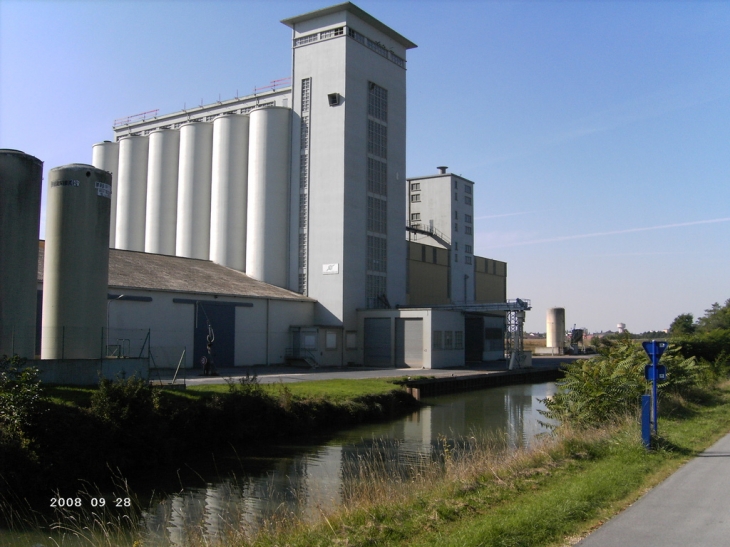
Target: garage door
(409, 342)
(377, 342)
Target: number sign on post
(655, 372)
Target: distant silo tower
(21, 178)
(555, 330)
(105, 156)
(76, 269)
(621, 327)
(132, 193)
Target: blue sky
(597, 132)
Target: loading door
(377, 341)
(222, 318)
(474, 338)
(409, 342)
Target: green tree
(683, 325)
(717, 317)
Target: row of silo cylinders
(75, 275)
(213, 191)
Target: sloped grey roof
(136, 270)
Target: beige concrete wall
(427, 280)
(490, 280)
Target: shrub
(20, 395)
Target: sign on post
(655, 372)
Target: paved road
(691, 508)
(268, 375)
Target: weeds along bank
(51, 438)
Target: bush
(125, 402)
(20, 395)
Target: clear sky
(597, 133)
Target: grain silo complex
(284, 221)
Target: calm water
(315, 478)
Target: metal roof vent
(442, 169)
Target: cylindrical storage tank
(555, 328)
(21, 177)
(132, 193)
(193, 191)
(76, 268)
(229, 191)
(268, 189)
(161, 223)
(105, 156)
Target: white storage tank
(268, 189)
(555, 329)
(132, 193)
(105, 156)
(76, 269)
(161, 221)
(21, 177)
(229, 191)
(193, 191)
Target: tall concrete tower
(348, 162)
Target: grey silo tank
(268, 191)
(132, 193)
(161, 223)
(76, 269)
(193, 191)
(105, 156)
(229, 191)
(21, 177)
(555, 328)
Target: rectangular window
(456, 257)
(467, 188)
(415, 217)
(377, 215)
(423, 253)
(467, 260)
(437, 339)
(378, 102)
(456, 226)
(377, 177)
(456, 215)
(448, 339)
(415, 197)
(467, 248)
(456, 245)
(330, 340)
(377, 254)
(456, 185)
(376, 291)
(456, 196)
(467, 200)
(377, 139)
(435, 256)
(467, 218)
(416, 187)
(458, 339)
(467, 230)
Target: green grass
(332, 390)
(558, 491)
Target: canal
(303, 482)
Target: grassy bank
(551, 495)
(129, 430)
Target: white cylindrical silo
(105, 156)
(132, 193)
(193, 191)
(555, 329)
(76, 268)
(268, 189)
(229, 191)
(161, 223)
(21, 177)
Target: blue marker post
(655, 372)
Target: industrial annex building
(277, 220)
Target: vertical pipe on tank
(268, 190)
(76, 268)
(21, 177)
(193, 193)
(132, 193)
(105, 156)
(229, 191)
(555, 329)
(161, 222)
